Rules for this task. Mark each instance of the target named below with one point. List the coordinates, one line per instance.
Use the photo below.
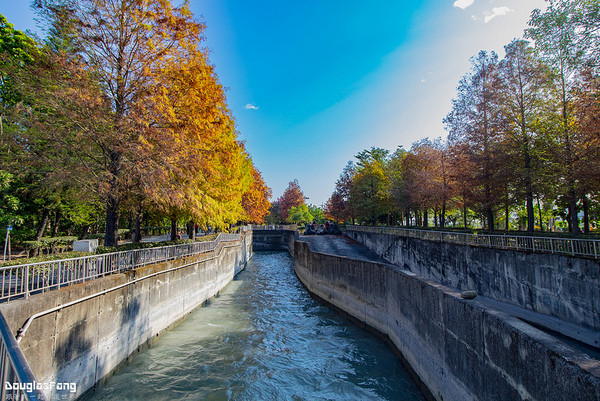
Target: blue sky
(313, 83)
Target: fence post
(26, 282)
(572, 250)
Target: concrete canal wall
(460, 349)
(274, 240)
(85, 342)
(561, 286)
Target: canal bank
(263, 338)
(118, 315)
(460, 349)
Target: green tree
(556, 33)
(473, 127)
(317, 213)
(299, 214)
(369, 194)
(9, 203)
(121, 42)
(16, 50)
(523, 88)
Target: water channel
(263, 338)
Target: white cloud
(496, 12)
(463, 3)
(250, 106)
(423, 81)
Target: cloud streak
(463, 3)
(496, 12)
(250, 106)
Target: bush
(143, 245)
(45, 258)
(49, 245)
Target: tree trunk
(586, 214)
(530, 213)
(572, 195)
(490, 218)
(190, 230)
(137, 234)
(173, 228)
(43, 223)
(425, 218)
(113, 201)
(540, 213)
(573, 211)
(55, 223)
(112, 221)
(85, 232)
(506, 213)
(443, 215)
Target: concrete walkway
(340, 245)
(586, 340)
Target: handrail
(564, 246)
(21, 332)
(23, 280)
(287, 227)
(16, 378)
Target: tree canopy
(522, 148)
(120, 109)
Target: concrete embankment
(274, 240)
(460, 349)
(86, 342)
(560, 286)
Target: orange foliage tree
(168, 139)
(291, 197)
(255, 200)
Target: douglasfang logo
(29, 387)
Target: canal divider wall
(274, 240)
(459, 349)
(561, 286)
(84, 343)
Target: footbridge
(471, 321)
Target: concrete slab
(340, 245)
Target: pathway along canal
(263, 338)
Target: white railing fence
(23, 280)
(566, 246)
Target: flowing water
(263, 338)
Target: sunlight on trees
(119, 109)
(523, 146)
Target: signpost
(7, 242)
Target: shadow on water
(264, 338)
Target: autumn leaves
(121, 102)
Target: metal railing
(288, 227)
(565, 246)
(23, 280)
(17, 380)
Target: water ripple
(263, 338)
